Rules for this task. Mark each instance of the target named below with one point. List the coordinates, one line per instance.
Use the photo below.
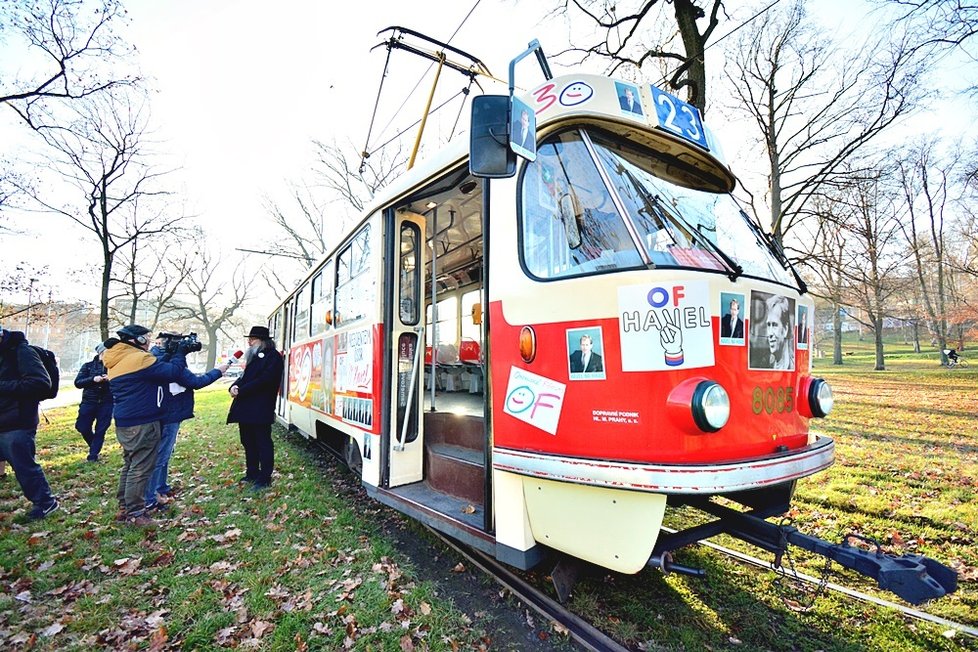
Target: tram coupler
(664, 563)
(915, 578)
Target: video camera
(175, 343)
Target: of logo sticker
(535, 399)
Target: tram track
(909, 612)
(581, 631)
(592, 638)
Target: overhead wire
(366, 150)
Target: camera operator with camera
(139, 382)
(178, 406)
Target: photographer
(96, 403)
(139, 382)
(178, 406)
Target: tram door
(405, 453)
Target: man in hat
(96, 403)
(23, 379)
(253, 407)
(138, 382)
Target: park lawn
(297, 567)
(906, 473)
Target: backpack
(50, 363)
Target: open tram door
(436, 442)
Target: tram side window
(355, 291)
(302, 313)
(322, 299)
(447, 322)
(410, 283)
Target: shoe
(38, 513)
(93, 460)
(258, 487)
(158, 508)
(139, 521)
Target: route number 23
(679, 117)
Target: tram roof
(568, 99)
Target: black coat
(23, 379)
(92, 392)
(257, 389)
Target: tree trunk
(916, 336)
(836, 334)
(693, 41)
(211, 347)
(878, 338)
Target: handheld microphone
(237, 355)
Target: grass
(307, 566)
(298, 567)
(906, 473)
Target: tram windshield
(591, 203)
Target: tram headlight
(820, 399)
(711, 406)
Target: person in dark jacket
(253, 407)
(23, 379)
(178, 406)
(96, 403)
(138, 382)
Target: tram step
(456, 471)
(455, 429)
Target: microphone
(237, 355)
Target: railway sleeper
(915, 578)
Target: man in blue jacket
(23, 379)
(96, 403)
(138, 382)
(178, 406)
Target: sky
(241, 88)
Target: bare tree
(816, 106)
(625, 30)
(153, 271)
(70, 44)
(212, 299)
(104, 159)
(874, 260)
(824, 258)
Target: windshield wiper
(654, 204)
(778, 250)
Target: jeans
(157, 479)
(17, 447)
(99, 414)
(139, 445)
(259, 451)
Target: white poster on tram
(665, 326)
(354, 362)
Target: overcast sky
(242, 87)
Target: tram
(537, 344)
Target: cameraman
(138, 382)
(178, 406)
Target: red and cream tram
(546, 354)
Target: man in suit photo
(628, 100)
(732, 325)
(585, 360)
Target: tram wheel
(351, 455)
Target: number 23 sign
(679, 117)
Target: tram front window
(571, 225)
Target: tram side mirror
(489, 153)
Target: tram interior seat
(452, 371)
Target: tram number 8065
(772, 400)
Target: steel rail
(838, 588)
(579, 629)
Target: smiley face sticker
(535, 399)
(576, 93)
